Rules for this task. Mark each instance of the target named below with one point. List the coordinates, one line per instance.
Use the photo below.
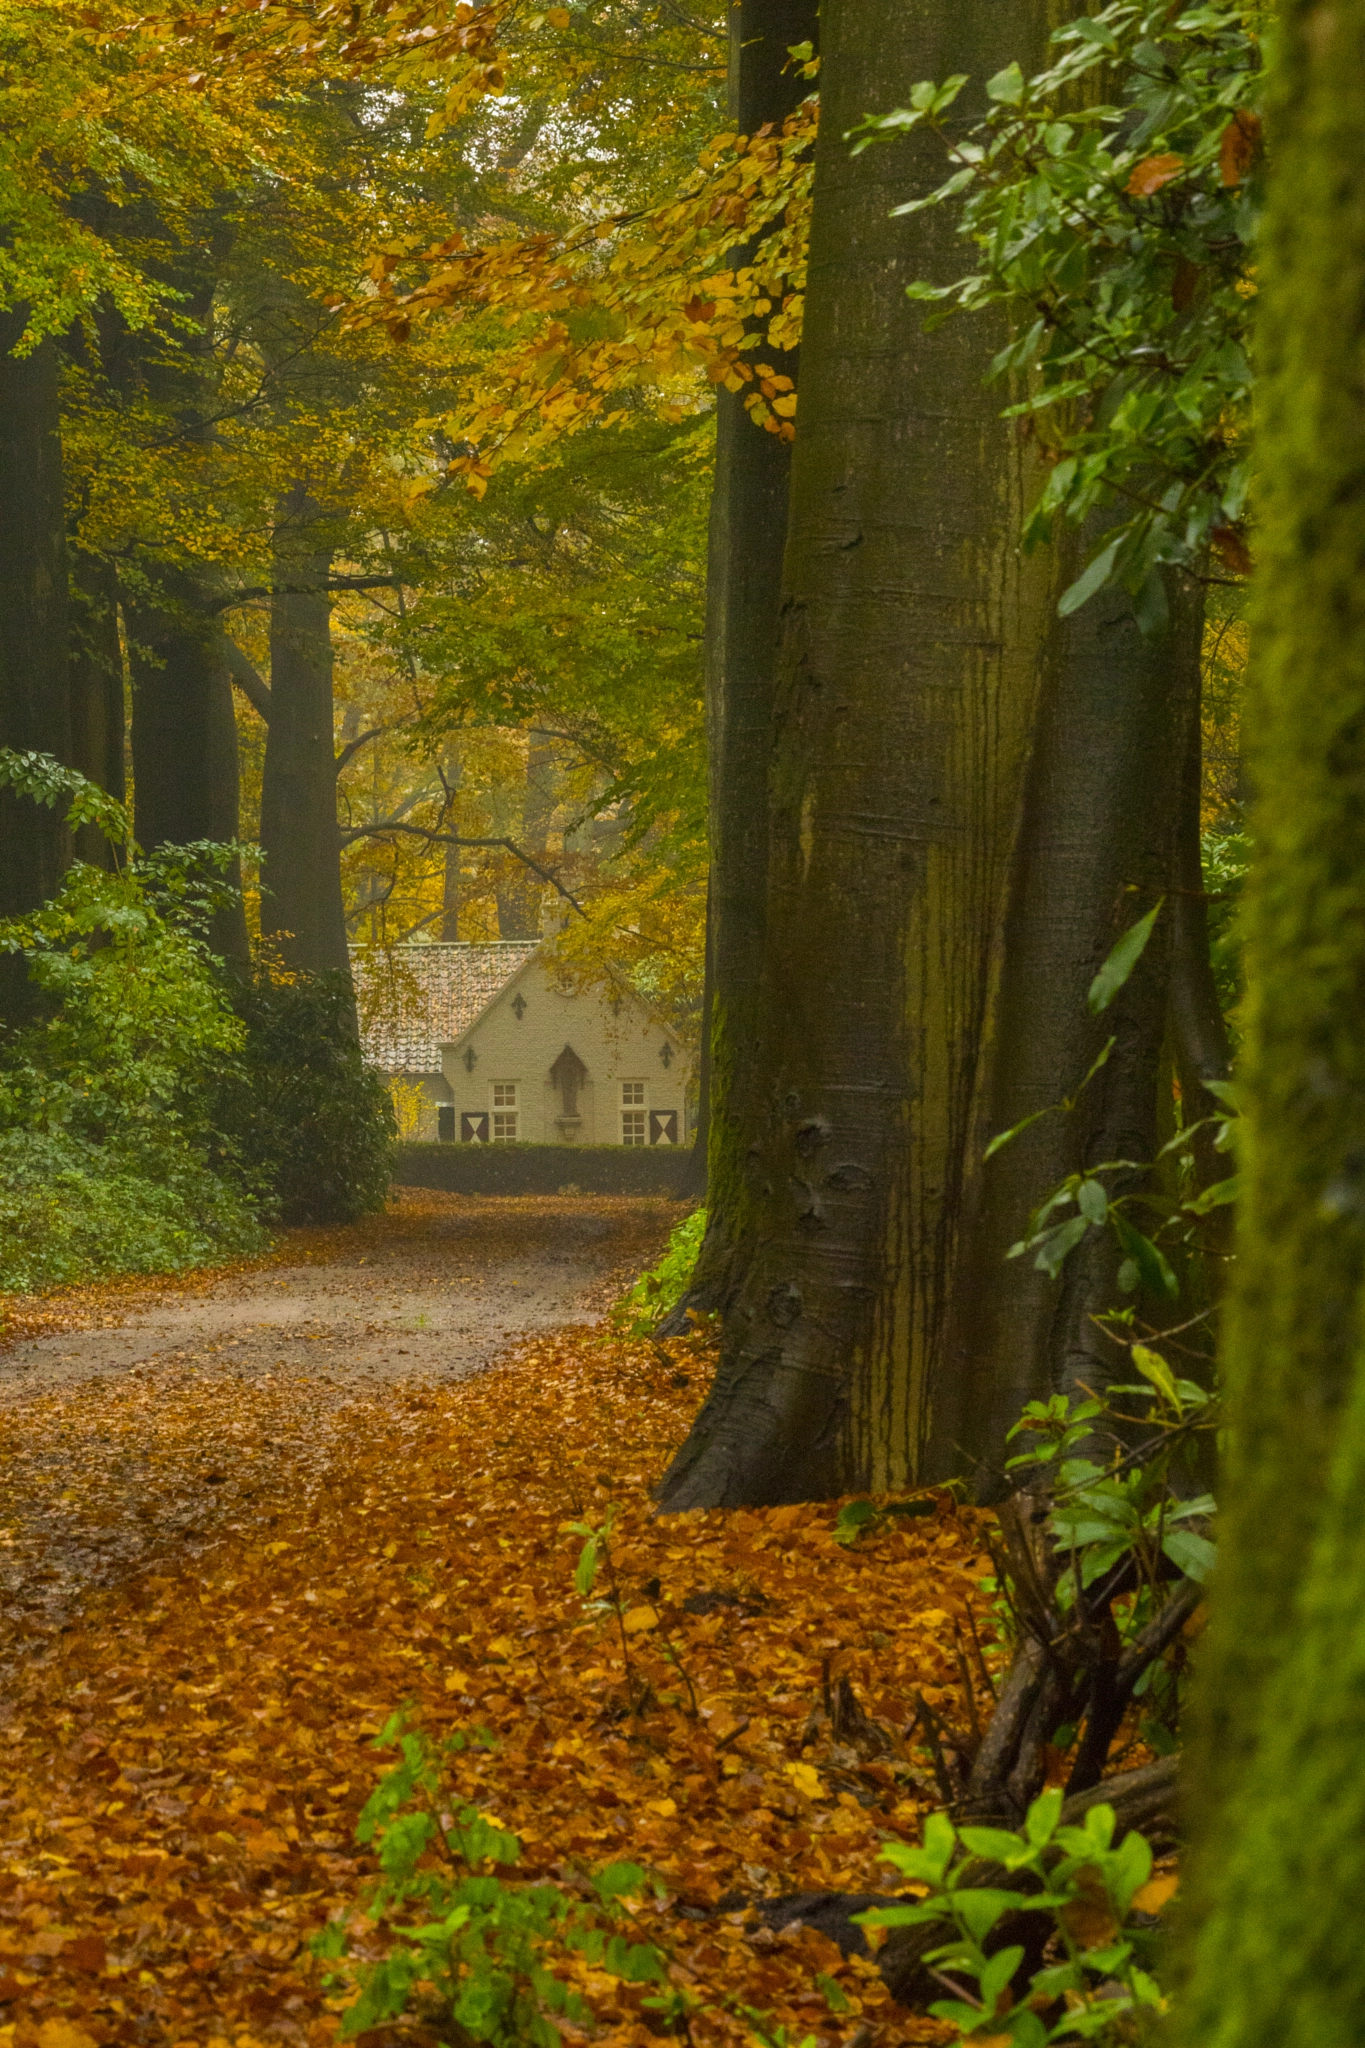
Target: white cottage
(505, 1055)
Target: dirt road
(143, 1424)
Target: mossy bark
(1275, 1955)
(906, 686)
(1102, 840)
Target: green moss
(1276, 1958)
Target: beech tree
(1275, 1785)
(969, 798)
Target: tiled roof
(415, 999)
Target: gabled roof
(415, 999)
(616, 994)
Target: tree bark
(185, 776)
(1101, 842)
(1277, 1794)
(301, 901)
(450, 878)
(748, 533)
(519, 890)
(98, 702)
(35, 699)
(907, 682)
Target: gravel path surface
(437, 1287)
(141, 1423)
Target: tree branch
(254, 590)
(384, 828)
(352, 747)
(249, 680)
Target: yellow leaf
(558, 17)
(274, 1549)
(502, 1646)
(57, 2033)
(456, 1682)
(667, 1807)
(639, 1619)
(807, 1781)
(1153, 1895)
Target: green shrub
(1092, 1982)
(71, 1210)
(297, 1114)
(487, 1957)
(637, 1313)
(104, 1132)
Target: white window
(632, 1127)
(632, 1095)
(504, 1112)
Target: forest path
(148, 1420)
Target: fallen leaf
(808, 1781)
(1152, 1896)
(56, 2033)
(639, 1619)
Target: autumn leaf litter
(186, 1754)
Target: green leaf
(1121, 961)
(853, 1518)
(1092, 1201)
(1153, 1367)
(1150, 1264)
(1003, 1138)
(1007, 86)
(1190, 1553)
(586, 1571)
(996, 1845)
(1222, 1191)
(1092, 578)
(1056, 1245)
(835, 1997)
(1040, 1823)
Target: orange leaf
(1152, 173)
(1232, 550)
(1237, 150)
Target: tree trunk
(748, 534)
(185, 780)
(98, 708)
(35, 701)
(301, 903)
(1101, 842)
(1278, 1795)
(907, 680)
(450, 878)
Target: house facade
(502, 1054)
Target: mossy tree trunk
(1103, 838)
(912, 648)
(1276, 1959)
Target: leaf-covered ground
(185, 1753)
